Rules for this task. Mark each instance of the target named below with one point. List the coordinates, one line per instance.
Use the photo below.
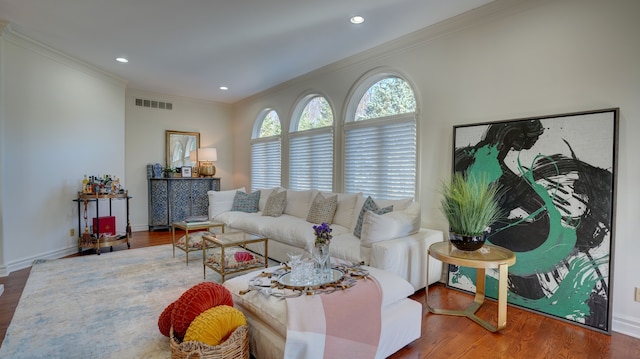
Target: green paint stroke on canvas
(560, 240)
(568, 301)
(486, 163)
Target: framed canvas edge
(614, 183)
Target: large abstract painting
(557, 174)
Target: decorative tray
(335, 276)
(277, 283)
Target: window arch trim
(301, 105)
(365, 82)
(257, 125)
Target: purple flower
(323, 233)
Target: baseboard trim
(626, 325)
(27, 262)
(140, 228)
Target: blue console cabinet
(173, 199)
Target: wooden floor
(527, 335)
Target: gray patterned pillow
(369, 205)
(275, 204)
(322, 209)
(243, 202)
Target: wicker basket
(236, 346)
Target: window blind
(265, 164)
(380, 157)
(311, 159)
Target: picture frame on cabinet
(186, 171)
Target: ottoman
(401, 317)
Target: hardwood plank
(527, 335)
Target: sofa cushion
(275, 204)
(298, 203)
(244, 202)
(376, 228)
(221, 201)
(291, 230)
(369, 205)
(347, 247)
(248, 222)
(322, 209)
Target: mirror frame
(173, 137)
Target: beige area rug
(104, 306)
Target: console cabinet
(173, 199)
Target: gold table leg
(186, 244)
(470, 311)
(173, 239)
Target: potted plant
(170, 172)
(470, 205)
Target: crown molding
(25, 42)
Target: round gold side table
(489, 256)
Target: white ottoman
(267, 315)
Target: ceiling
(192, 47)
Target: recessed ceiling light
(356, 20)
(224, 88)
(122, 59)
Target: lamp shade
(207, 154)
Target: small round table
(489, 256)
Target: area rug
(104, 306)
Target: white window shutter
(265, 164)
(311, 159)
(380, 157)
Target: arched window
(266, 151)
(380, 139)
(311, 145)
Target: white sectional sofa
(391, 241)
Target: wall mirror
(179, 147)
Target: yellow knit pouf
(215, 325)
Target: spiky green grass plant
(470, 203)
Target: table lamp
(206, 157)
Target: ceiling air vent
(154, 104)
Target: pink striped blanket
(345, 323)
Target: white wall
(145, 141)
(507, 60)
(61, 120)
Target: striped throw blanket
(345, 323)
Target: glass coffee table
(226, 253)
(186, 227)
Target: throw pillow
(275, 204)
(195, 240)
(369, 205)
(164, 321)
(196, 300)
(322, 209)
(214, 325)
(234, 257)
(243, 202)
(396, 224)
(221, 201)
